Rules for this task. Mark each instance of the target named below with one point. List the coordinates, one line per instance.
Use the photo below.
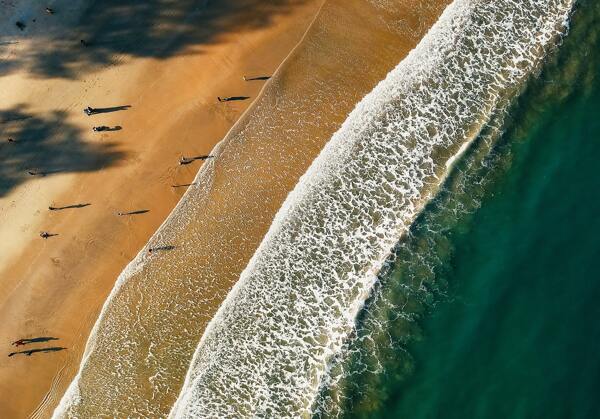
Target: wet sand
(56, 287)
(154, 320)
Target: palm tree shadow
(48, 143)
(113, 29)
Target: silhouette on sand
(188, 160)
(161, 248)
(232, 98)
(94, 111)
(133, 212)
(26, 341)
(256, 78)
(105, 128)
(29, 352)
(45, 234)
(51, 208)
(182, 185)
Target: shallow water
(491, 307)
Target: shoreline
(222, 228)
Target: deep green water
(492, 307)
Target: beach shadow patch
(108, 32)
(38, 145)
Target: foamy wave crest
(267, 350)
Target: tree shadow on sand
(46, 144)
(112, 29)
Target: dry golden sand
(350, 47)
(56, 287)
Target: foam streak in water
(267, 350)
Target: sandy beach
(152, 323)
(170, 73)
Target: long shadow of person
(93, 111)
(26, 341)
(30, 352)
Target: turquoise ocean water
(491, 308)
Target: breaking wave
(268, 349)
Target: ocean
(490, 308)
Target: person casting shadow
(51, 208)
(105, 128)
(43, 350)
(256, 78)
(45, 234)
(93, 111)
(133, 212)
(188, 160)
(232, 98)
(26, 341)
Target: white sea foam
(267, 350)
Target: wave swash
(267, 350)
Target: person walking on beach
(187, 160)
(44, 234)
(19, 342)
